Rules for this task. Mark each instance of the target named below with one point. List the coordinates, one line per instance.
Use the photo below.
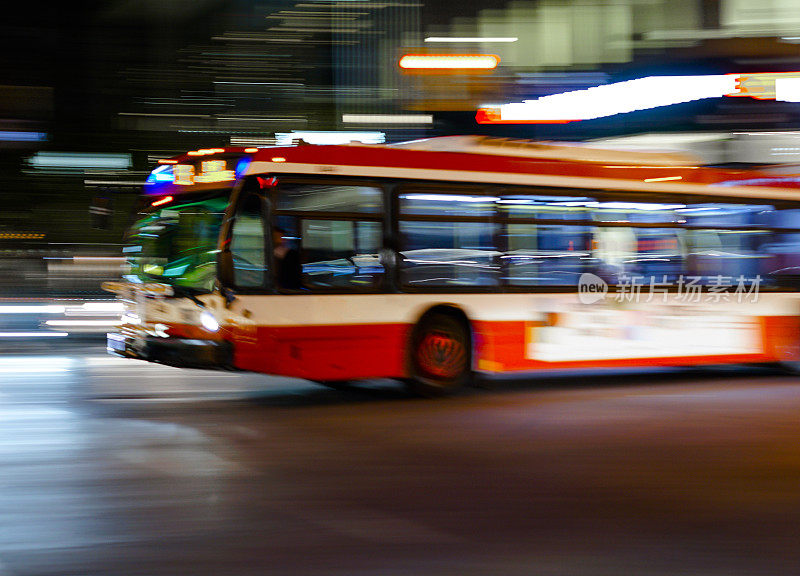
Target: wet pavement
(112, 466)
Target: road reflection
(112, 466)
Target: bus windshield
(176, 243)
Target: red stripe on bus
(331, 352)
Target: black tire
(440, 355)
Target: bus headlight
(208, 321)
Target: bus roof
(197, 170)
(477, 159)
(507, 161)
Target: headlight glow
(208, 321)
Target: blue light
(241, 166)
(14, 136)
(161, 174)
(159, 180)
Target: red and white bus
(434, 260)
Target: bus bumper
(180, 352)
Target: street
(113, 466)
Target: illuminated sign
(471, 39)
(387, 118)
(764, 85)
(188, 174)
(642, 94)
(79, 160)
(214, 171)
(184, 174)
(449, 62)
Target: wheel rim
(441, 355)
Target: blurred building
(92, 95)
(550, 47)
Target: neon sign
(642, 94)
(452, 62)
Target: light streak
(449, 62)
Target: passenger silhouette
(288, 269)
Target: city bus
(437, 260)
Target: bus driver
(288, 269)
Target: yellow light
(449, 62)
(153, 269)
(184, 174)
(212, 166)
(279, 159)
(214, 171)
(205, 151)
(470, 39)
(663, 179)
(21, 236)
(165, 161)
(251, 150)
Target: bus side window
(341, 254)
(248, 244)
(545, 255)
(445, 253)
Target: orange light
(251, 150)
(759, 85)
(164, 200)
(205, 151)
(21, 236)
(165, 161)
(279, 159)
(493, 116)
(449, 62)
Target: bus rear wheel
(440, 355)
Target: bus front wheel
(440, 355)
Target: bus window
(422, 203)
(730, 253)
(448, 254)
(302, 197)
(546, 255)
(547, 207)
(660, 254)
(341, 254)
(638, 212)
(727, 215)
(248, 244)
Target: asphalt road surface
(111, 466)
